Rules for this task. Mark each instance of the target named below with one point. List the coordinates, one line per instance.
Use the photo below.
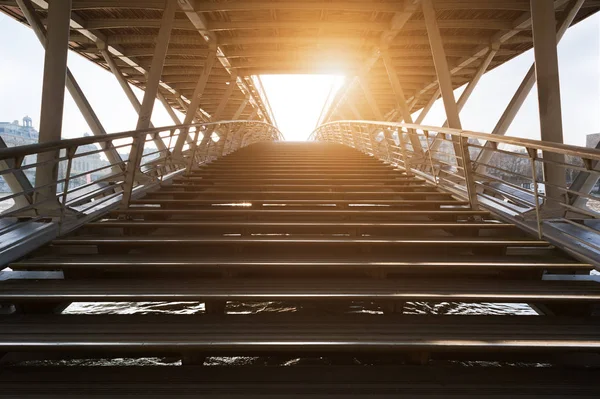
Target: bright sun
(297, 101)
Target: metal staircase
(342, 238)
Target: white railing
(545, 188)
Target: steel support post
(76, 93)
(460, 145)
(401, 100)
(196, 97)
(53, 98)
(583, 183)
(464, 97)
(546, 71)
(525, 87)
(147, 106)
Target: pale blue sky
(297, 100)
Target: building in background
(14, 134)
(591, 140)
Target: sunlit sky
(297, 100)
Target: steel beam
(464, 97)
(441, 65)
(548, 84)
(401, 100)
(398, 21)
(525, 87)
(160, 52)
(147, 106)
(128, 92)
(53, 98)
(197, 96)
(76, 93)
(460, 145)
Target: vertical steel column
(525, 87)
(543, 25)
(401, 100)
(460, 145)
(53, 97)
(80, 100)
(152, 83)
(196, 97)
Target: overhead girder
(241, 5)
(310, 36)
(414, 40)
(216, 26)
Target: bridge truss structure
(377, 210)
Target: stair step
(300, 382)
(162, 289)
(262, 333)
(292, 187)
(298, 174)
(322, 226)
(294, 180)
(299, 212)
(299, 194)
(316, 241)
(324, 201)
(372, 263)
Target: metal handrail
(524, 183)
(135, 173)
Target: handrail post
(133, 164)
(388, 145)
(194, 148)
(70, 152)
(532, 152)
(433, 171)
(405, 157)
(468, 172)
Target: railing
(89, 184)
(546, 188)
